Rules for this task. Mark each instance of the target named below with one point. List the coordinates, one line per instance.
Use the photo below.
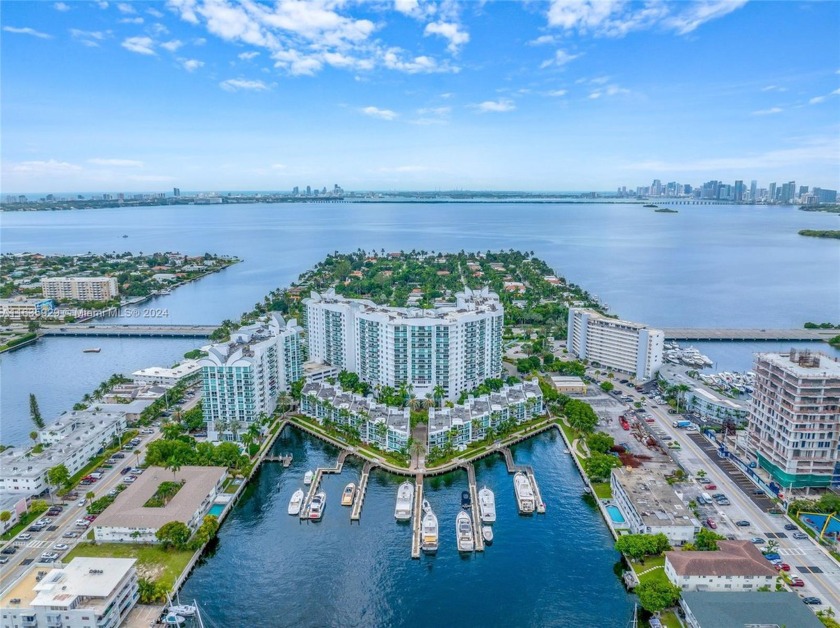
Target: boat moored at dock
(464, 532)
(429, 533)
(524, 493)
(348, 494)
(316, 508)
(487, 534)
(405, 499)
(307, 478)
(296, 502)
(466, 501)
(487, 505)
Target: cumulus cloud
(172, 45)
(191, 65)
(247, 56)
(154, 13)
(502, 105)
(26, 31)
(125, 7)
(561, 58)
(767, 112)
(376, 112)
(617, 18)
(131, 20)
(140, 45)
(118, 163)
(61, 6)
(235, 85)
(450, 31)
(543, 40)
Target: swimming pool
(216, 510)
(615, 514)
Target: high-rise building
(176, 192)
(656, 188)
(825, 196)
(632, 348)
(455, 347)
(753, 186)
(80, 288)
(244, 377)
(794, 420)
(771, 193)
(803, 190)
(738, 192)
(309, 190)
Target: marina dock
(417, 516)
(284, 459)
(356, 513)
(479, 540)
(316, 481)
(528, 470)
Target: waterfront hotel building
(619, 345)
(243, 378)
(455, 346)
(794, 418)
(80, 288)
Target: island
(821, 233)
(665, 210)
(831, 209)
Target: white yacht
(405, 499)
(487, 505)
(296, 502)
(184, 610)
(487, 534)
(348, 495)
(307, 477)
(464, 532)
(429, 538)
(524, 493)
(316, 508)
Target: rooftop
(653, 498)
(128, 509)
(187, 367)
(597, 317)
(804, 364)
(733, 558)
(730, 609)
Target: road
(819, 571)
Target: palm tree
(89, 496)
(438, 393)
(174, 465)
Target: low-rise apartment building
(86, 593)
(713, 609)
(80, 288)
(735, 566)
(186, 371)
(15, 504)
(23, 309)
(650, 505)
(705, 401)
(72, 441)
(129, 520)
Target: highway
(819, 571)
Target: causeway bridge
(132, 331)
(749, 335)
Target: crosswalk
(35, 544)
(791, 551)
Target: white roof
(83, 577)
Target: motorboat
(172, 619)
(524, 493)
(464, 532)
(307, 477)
(405, 499)
(92, 350)
(429, 530)
(348, 494)
(487, 534)
(296, 502)
(316, 508)
(487, 505)
(184, 610)
(466, 502)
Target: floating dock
(356, 513)
(284, 459)
(417, 516)
(479, 540)
(316, 482)
(528, 470)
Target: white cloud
(140, 45)
(131, 20)
(392, 59)
(125, 7)
(561, 58)
(158, 29)
(617, 18)
(89, 38)
(119, 163)
(609, 90)
(61, 6)
(376, 112)
(234, 85)
(432, 115)
(415, 8)
(543, 40)
(558, 92)
(503, 105)
(767, 112)
(26, 31)
(820, 99)
(102, 4)
(278, 166)
(247, 56)
(154, 13)
(50, 166)
(774, 88)
(191, 65)
(173, 45)
(450, 31)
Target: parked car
(704, 480)
(790, 526)
(711, 523)
(61, 547)
(758, 491)
(35, 528)
(782, 567)
(70, 535)
(125, 470)
(9, 549)
(81, 523)
(90, 517)
(118, 456)
(3, 560)
(710, 487)
(743, 523)
(700, 500)
(81, 502)
(24, 537)
(812, 600)
(797, 582)
(724, 502)
(771, 556)
(799, 535)
(757, 540)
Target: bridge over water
(695, 334)
(132, 331)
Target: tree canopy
(656, 595)
(637, 546)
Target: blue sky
(408, 94)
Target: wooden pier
(356, 513)
(284, 459)
(479, 540)
(528, 470)
(417, 516)
(316, 481)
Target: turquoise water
(544, 570)
(216, 510)
(615, 514)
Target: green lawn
(670, 620)
(656, 574)
(602, 490)
(25, 519)
(153, 562)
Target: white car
(81, 503)
(61, 547)
(24, 537)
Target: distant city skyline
(416, 95)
